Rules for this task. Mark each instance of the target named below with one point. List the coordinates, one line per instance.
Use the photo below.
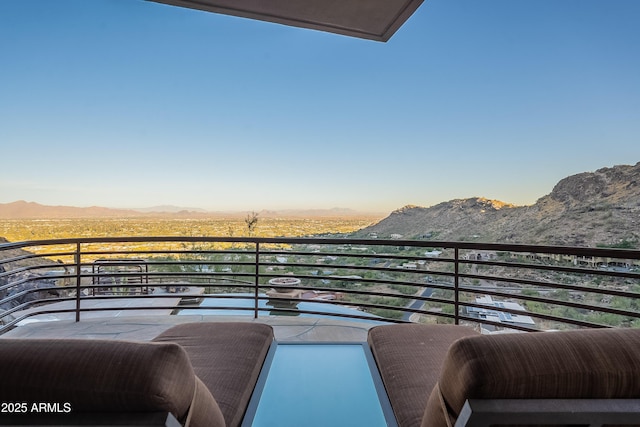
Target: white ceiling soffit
(368, 19)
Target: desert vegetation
(17, 230)
(382, 280)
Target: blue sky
(128, 103)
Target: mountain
(317, 213)
(32, 210)
(600, 208)
(168, 209)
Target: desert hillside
(600, 208)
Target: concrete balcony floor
(304, 329)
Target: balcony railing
(497, 286)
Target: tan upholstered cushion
(409, 358)
(603, 363)
(99, 375)
(228, 357)
(204, 411)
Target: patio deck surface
(148, 327)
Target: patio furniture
(110, 382)
(410, 358)
(227, 357)
(587, 377)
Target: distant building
(492, 313)
(480, 256)
(433, 254)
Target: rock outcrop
(600, 208)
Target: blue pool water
(265, 308)
(319, 385)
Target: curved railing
(498, 286)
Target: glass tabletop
(319, 385)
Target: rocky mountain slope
(600, 208)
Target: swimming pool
(269, 308)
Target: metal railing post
(456, 283)
(489, 274)
(78, 280)
(257, 281)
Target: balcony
(494, 287)
(311, 290)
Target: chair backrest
(578, 364)
(92, 376)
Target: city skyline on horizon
(134, 104)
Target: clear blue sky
(128, 103)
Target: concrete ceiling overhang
(368, 19)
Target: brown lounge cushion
(228, 357)
(600, 363)
(105, 376)
(409, 358)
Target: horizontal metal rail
(493, 286)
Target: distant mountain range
(600, 208)
(31, 210)
(168, 209)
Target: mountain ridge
(600, 208)
(31, 210)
